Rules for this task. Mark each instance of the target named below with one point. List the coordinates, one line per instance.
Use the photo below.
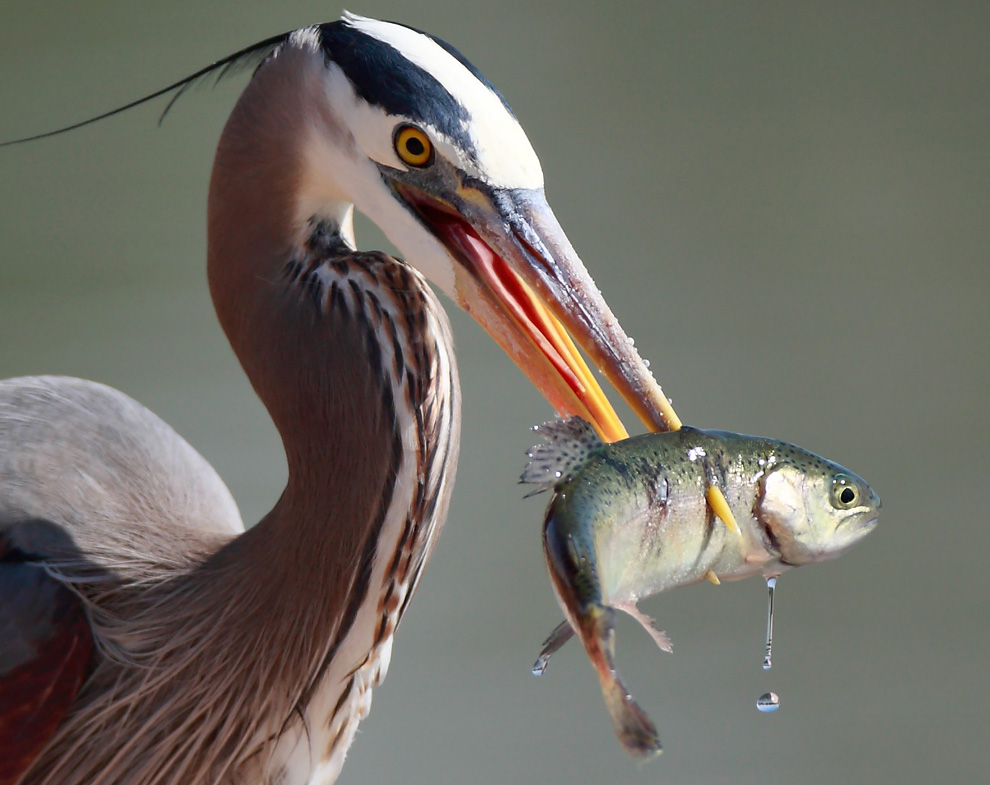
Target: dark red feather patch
(45, 649)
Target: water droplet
(646, 363)
(768, 702)
(540, 666)
(767, 661)
(630, 340)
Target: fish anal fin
(659, 636)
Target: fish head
(813, 510)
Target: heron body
(159, 593)
(148, 638)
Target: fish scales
(632, 519)
(640, 510)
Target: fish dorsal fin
(565, 446)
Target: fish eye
(845, 494)
(413, 146)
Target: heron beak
(520, 278)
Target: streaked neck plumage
(246, 659)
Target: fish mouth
(858, 525)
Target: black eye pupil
(847, 496)
(415, 146)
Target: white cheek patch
(373, 131)
(505, 157)
(371, 128)
(343, 141)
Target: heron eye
(413, 146)
(844, 492)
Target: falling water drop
(768, 702)
(767, 661)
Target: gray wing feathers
(119, 480)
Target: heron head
(413, 136)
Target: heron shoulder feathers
(88, 457)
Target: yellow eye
(845, 494)
(413, 146)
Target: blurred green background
(786, 204)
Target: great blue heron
(147, 637)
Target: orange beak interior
(528, 328)
(514, 316)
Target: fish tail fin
(564, 448)
(635, 729)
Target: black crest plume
(252, 57)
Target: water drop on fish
(630, 340)
(768, 702)
(646, 363)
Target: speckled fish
(632, 519)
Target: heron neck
(311, 370)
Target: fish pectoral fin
(562, 633)
(659, 636)
(719, 506)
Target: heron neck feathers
(351, 353)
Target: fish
(638, 517)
